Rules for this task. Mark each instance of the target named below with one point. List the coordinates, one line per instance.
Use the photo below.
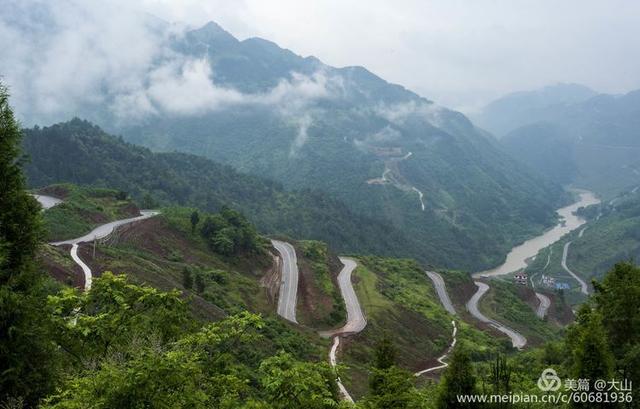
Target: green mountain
(156, 179)
(384, 151)
(590, 142)
(527, 107)
(451, 239)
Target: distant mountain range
(572, 135)
(383, 151)
(516, 109)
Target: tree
(592, 356)
(195, 219)
(148, 202)
(27, 357)
(200, 284)
(458, 379)
(391, 388)
(291, 384)
(223, 242)
(617, 300)
(199, 370)
(500, 380)
(113, 312)
(385, 353)
(187, 278)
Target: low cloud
(70, 58)
(399, 113)
(303, 123)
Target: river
(517, 257)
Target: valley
(191, 218)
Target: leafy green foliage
(322, 295)
(27, 357)
(229, 232)
(93, 323)
(146, 351)
(392, 388)
(504, 302)
(290, 384)
(188, 180)
(458, 379)
(195, 219)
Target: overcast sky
(459, 53)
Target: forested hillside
(612, 236)
(385, 152)
(174, 178)
(381, 149)
(587, 139)
(78, 152)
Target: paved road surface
(332, 360)
(544, 305)
(441, 289)
(288, 295)
(104, 230)
(443, 357)
(517, 339)
(356, 321)
(98, 233)
(583, 286)
(47, 202)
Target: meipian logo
(549, 380)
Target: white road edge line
(446, 354)
(98, 233)
(584, 288)
(288, 294)
(356, 320)
(517, 340)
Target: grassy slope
(481, 340)
(83, 209)
(158, 251)
(320, 303)
(514, 306)
(614, 237)
(399, 300)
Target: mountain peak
(213, 33)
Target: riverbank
(569, 221)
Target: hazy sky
(458, 53)
(462, 54)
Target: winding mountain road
(388, 177)
(565, 252)
(98, 233)
(441, 289)
(356, 320)
(47, 202)
(544, 305)
(288, 295)
(443, 357)
(517, 339)
(545, 302)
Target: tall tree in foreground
(26, 353)
(592, 356)
(389, 386)
(617, 300)
(457, 380)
